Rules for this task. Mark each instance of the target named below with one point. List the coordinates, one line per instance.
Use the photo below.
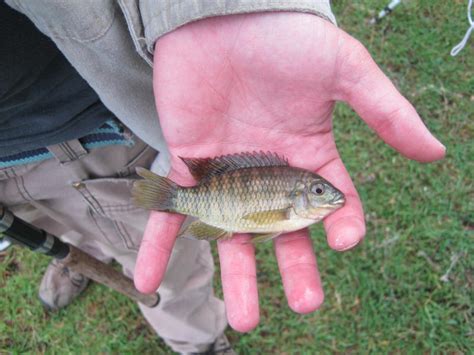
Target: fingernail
(341, 243)
(350, 246)
(346, 234)
(441, 145)
(309, 301)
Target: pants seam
(92, 201)
(66, 153)
(125, 236)
(91, 214)
(20, 185)
(96, 207)
(77, 152)
(70, 150)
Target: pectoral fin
(268, 217)
(259, 238)
(203, 231)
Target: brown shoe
(220, 347)
(60, 286)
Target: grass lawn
(387, 295)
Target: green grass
(386, 296)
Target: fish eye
(317, 189)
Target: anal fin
(264, 237)
(203, 231)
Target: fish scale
(231, 196)
(255, 193)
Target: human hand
(268, 82)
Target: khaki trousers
(84, 197)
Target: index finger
(157, 244)
(155, 250)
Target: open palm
(269, 82)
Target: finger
(299, 271)
(239, 282)
(345, 228)
(157, 243)
(373, 96)
(155, 250)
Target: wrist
(159, 19)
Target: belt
(110, 133)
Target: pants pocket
(143, 158)
(110, 204)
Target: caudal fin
(154, 192)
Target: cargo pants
(84, 197)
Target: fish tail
(154, 192)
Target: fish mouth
(339, 201)
(333, 205)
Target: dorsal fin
(206, 167)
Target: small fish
(257, 193)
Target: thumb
(362, 84)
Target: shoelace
(458, 48)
